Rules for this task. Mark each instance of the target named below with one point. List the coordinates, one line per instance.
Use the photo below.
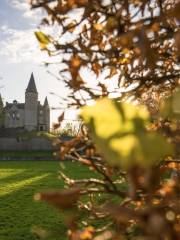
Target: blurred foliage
(69, 130)
(131, 48)
(121, 136)
(171, 107)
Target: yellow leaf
(87, 233)
(98, 26)
(71, 26)
(125, 50)
(119, 132)
(141, 149)
(123, 60)
(43, 39)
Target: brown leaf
(113, 71)
(111, 24)
(85, 162)
(75, 61)
(56, 126)
(61, 118)
(64, 199)
(96, 67)
(177, 42)
(67, 146)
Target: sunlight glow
(4, 174)
(15, 186)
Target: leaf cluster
(135, 192)
(132, 50)
(134, 42)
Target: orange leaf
(64, 199)
(61, 117)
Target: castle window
(41, 128)
(40, 112)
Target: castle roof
(46, 102)
(31, 85)
(19, 106)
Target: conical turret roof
(46, 102)
(31, 85)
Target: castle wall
(13, 144)
(11, 122)
(30, 120)
(47, 118)
(44, 118)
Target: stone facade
(32, 144)
(30, 116)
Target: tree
(135, 44)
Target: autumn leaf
(113, 71)
(119, 131)
(56, 126)
(111, 24)
(61, 118)
(98, 26)
(71, 26)
(96, 67)
(64, 199)
(43, 39)
(75, 61)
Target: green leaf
(43, 39)
(112, 118)
(119, 132)
(141, 149)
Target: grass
(26, 153)
(19, 181)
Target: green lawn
(19, 181)
(25, 153)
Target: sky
(20, 55)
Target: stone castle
(28, 116)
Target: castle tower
(1, 111)
(46, 114)
(31, 106)
(1, 104)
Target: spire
(31, 85)
(46, 102)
